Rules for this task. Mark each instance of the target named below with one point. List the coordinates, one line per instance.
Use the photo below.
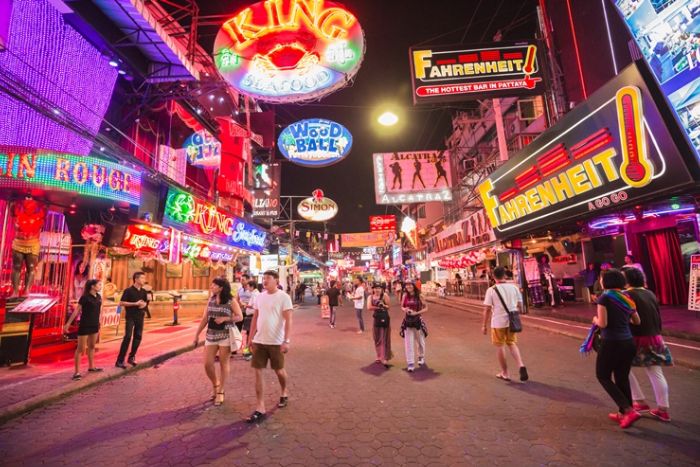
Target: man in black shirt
(333, 296)
(134, 300)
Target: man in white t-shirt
(501, 334)
(358, 300)
(270, 328)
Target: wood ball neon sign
(290, 50)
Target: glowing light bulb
(388, 119)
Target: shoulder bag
(514, 323)
(381, 315)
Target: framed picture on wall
(200, 271)
(173, 271)
(132, 266)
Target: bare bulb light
(388, 119)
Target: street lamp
(388, 118)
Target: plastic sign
(445, 74)
(196, 217)
(382, 223)
(412, 177)
(203, 150)
(609, 152)
(290, 50)
(147, 238)
(266, 190)
(364, 239)
(25, 170)
(315, 142)
(317, 208)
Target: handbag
(235, 337)
(514, 323)
(381, 315)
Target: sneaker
(615, 417)
(421, 361)
(661, 415)
(120, 365)
(411, 369)
(640, 407)
(629, 418)
(523, 374)
(248, 357)
(76, 377)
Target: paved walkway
(346, 410)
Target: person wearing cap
(381, 330)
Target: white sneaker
(410, 369)
(421, 361)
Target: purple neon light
(602, 224)
(63, 68)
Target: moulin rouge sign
(290, 50)
(197, 217)
(612, 150)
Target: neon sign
(89, 176)
(147, 238)
(290, 50)
(317, 208)
(203, 150)
(412, 177)
(608, 152)
(315, 142)
(194, 216)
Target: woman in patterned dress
(221, 313)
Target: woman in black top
(88, 307)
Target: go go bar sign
(317, 208)
(612, 150)
(315, 142)
(290, 50)
(46, 170)
(196, 217)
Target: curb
(477, 309)
(36, 402)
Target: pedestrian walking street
(344, 409)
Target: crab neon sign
(290, 50)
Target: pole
(500, 131)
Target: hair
(225, 295)
(635, 277)
(89, 284)
(252, 283)
(272, 273)
(499, 272)
(630, 256)
(377, 285)
(359, 278)
(416, 292)
(613, 279)
(137, 275)
(331, 284)
(245, 275)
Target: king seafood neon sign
(290, 50)
(610, 151)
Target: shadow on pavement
(556, 393)
(374, 369)
(685, 445)
(424, 373)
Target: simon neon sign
(197, 217)
(83, 175)
(290, 50)
(612, 150)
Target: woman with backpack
(381, 331)
(413, 328)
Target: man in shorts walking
(270, 328)
(501, 334)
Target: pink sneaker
(629, 418)
(615, 417)
(640, 407)
(663, 416)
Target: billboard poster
(266, 190)
(203, 149)
(470, 232)
(666, 32)
(315, 142)
(611, 151)
(459, 73)
(382, 223)
(364, 239)
(412, 177)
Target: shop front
(52, 239)
(613, 181)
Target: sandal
(256, 417)
(284, 400)
(76, 377)
(504, 378)
(95, 370)
(219, 400)
(216, 391)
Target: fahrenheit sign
(443, 74)
(606, 152)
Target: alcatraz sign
(444, 74)
(612, 150)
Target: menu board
(694, 289)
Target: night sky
(391, 27)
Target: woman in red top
(413, 329)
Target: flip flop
(500, 376)
(284, 400)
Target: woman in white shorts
(220, 315)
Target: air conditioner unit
(528, 109)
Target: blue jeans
(360, 321)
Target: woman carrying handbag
(381, 331)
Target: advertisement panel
(203, 150)
(396, 254)
(172, 163)
(83, 175)
(613, 150)
(364, 239)
(471, 232)
(382, 223)
(147, 238)
(315, 142)
(266, 190)
(290, 50)
(459, 73)
(666, 33)
(317, 208)
(195, 216)
(412, 177)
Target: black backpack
(381, 315)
